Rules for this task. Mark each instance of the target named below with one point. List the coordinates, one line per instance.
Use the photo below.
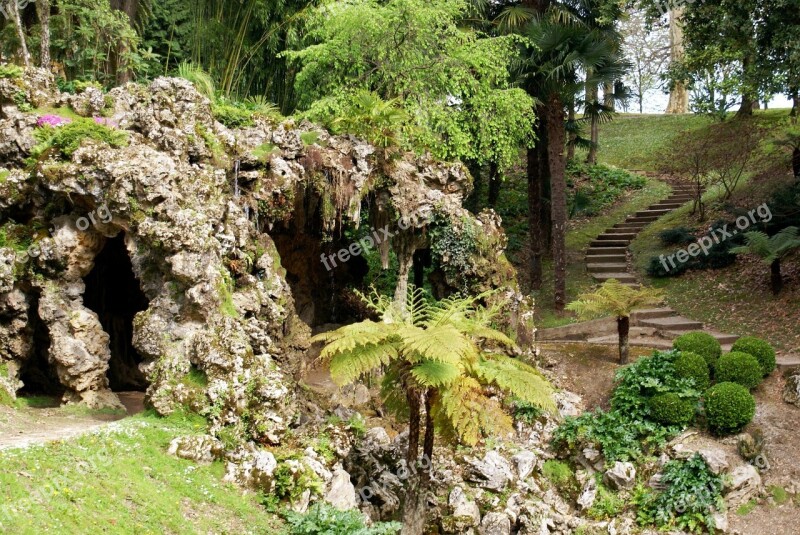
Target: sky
(656, 102)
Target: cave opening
(38, 375)
(114, 294)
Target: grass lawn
(121, 480)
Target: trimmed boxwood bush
(729, 407)
(701, 343)
(760, 349)
(693, 366)
(739, 368)
(671, 409)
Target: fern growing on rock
(437, 366)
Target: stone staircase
(607, 258)
(607, 255)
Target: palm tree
(616, 299)
(771, 250)
(436, 363)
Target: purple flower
(105, 122)
(52, 120)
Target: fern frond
(348, 366)
(518, 379)
(468, 413)
(435, 374)
(615, 299)
(349, 337)
(443, 344)
(768, 248)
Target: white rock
(721, 522)
(524, 462)
(620, 476)
(464, 509)
(495, 524)
(587, 497)
(493, 472)
(342, 493)
(744, 483)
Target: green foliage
(11, 71)
(436, 346)
(607, 504)
(671, 409)
(688, 503)
(65, 140)
(740, 368)
(562, 477)
(769, 248)
(595, 187)
(677, 236)
(760, 349)
(201, 80)
(693, 366)
(453, 246)
(293, 479)
(729, 407)
(232, 115)
(700, 343)
(324, 519)
(358, 425)
(526, 412)
(419, 62)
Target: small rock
(716, 459)
(201, 449)
(721, 522)
(620, 476)
(524, 462)
(495, 524)
(342, 493)
(493, 472)
(744, 483)
(465, 511)
(587, 497)
(791, 392)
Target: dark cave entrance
(38, 375)
(113, 292)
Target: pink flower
(52, 120)
(105, 122)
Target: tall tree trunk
(430, 435)
(422, 259)
(608, 96)
(623, 329)
(556, 138)
(43, 11)
(404, 245)
(413, 513)
(776, 278)
(749, 101)
(796, 162)
(535, 217)
(592, 99)
(795, 105)
(679, 93)
(572, 136)
(131, 9)
(11, 8)
(495, 182)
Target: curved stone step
(598, 251)
(607, 268)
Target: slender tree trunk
(749, 102)
(592, 98)
(131, 9)
(404, 246)
(796, 162)
(43, 11)
(623, 328)
(495, 183)
(430, 436)
(572, 136)
(608, 96)
(795, 105)
(535, 217)
(592, 156)
(413, 514)
(11, 7)
(679, 93)
(555, 146)
(776, 278)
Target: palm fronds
(614, 299)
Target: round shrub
(760, 349)
(739, 368)
(701, 343)
(729, 407)
(671, 409)
(693, 366)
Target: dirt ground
(20, 428)
(588, 370)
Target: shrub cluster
(739, 368)
(324, 519)
(677, 236)
(700, 343)
(729, 407)
(67, 139)
(718, 257)
(595, 187)
(760, 349)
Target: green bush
(561, 476)
(739, 368)
(671, 409)
(694, 367)
(324, 519)
(729, 407)
(68, 138)
(701, 343)
(760, 349)
(232, 116)
(10, 71)
(677, 236)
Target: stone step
(673, 324)
(610, 243)
(632, 225)
(667, 206)
(650, 213)
(621, 277)
(601, 251)
(633, 341)
(623, 230)
(788, 362)
(646, 219)
(616, 236)
(652, 313)
(606, 268)
(608, 259)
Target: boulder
(201, 449)
(524, 463)
(744, 483)
(791, 391)
(342, 493)
(495, 524)
(621, 476)
(465, 512)
(588, 495)
(493, 472)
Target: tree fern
(614, 298)
(349, 366)
(518, 379)
(768, 248)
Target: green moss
(779, 494)
(747, 508)
(263, 152)
(607, 504)
(66, 139)
(4, 174)
(212, 143)
(561, 476)
(232, 115)
(310, 138)
(225, 291)
(11, 71)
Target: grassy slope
(121, 480)
(735, 299)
